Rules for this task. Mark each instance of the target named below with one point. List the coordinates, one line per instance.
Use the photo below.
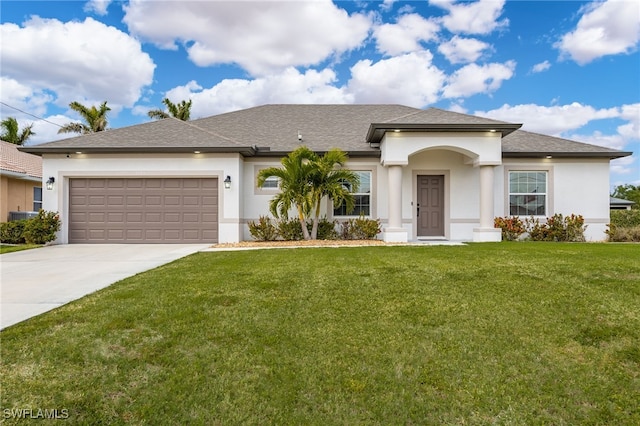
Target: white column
(486, 232)
(395, 232)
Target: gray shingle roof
(274, 129)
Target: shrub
(12, 232)
(42, 228)
(263, 230)
(327, 229)
(360, 228)
(557, 228)
(290, 229)
(625, 218)
(624, 234)
(512, 227)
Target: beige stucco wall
(15, 195)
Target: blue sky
(563, 68)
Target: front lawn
(511, 333)
(4, 248)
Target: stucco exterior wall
(575, 186)
(62, 168)
(15, 195)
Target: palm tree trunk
(303, 224)
(316, 218)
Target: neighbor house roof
(274, 130)
(620, 202)
(19, 164)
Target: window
(362, 198)
(528, 193)
(271, 183)
(37, 198)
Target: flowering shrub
(557, 228)
(512, 227)
(263, 229)
(40, 229)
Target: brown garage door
(143, 210)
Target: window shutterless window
(271, 183)
(528, 193)
(362, 197)
(37, 199)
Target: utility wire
(28, 113)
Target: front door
(430, 208)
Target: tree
(181, 111)
(11, 131)
(95, 119)
(305, 180)
(332, 181)
(628, 192)
(295, 185)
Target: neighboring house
(20, 182)
(427, 174)
(620, 204)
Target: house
(620, 204)
(20, 183)
(427, 174)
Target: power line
(28, 113)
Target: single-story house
(620, 204)
(426, 174)
(20, 183)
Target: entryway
(430, 206)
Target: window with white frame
(362, 198)
(37, 198)
(528, 193)
(270, 183)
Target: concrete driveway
(38, 280)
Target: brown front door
(430, 208)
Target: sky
(564, 68)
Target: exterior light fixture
(196, 152)
(227, 183)
(50, 183)
(492, 130)
(549, 156)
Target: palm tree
(95, 119)
(181, 111)
(332, 181)
(295, 184)
(11, 132)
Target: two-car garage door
(143, 210)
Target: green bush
(360, 228)
(290, 229)
(42, 228)
(12, 232)
(512, 227)
(625, 218)
(557, 228)
(263, 230)
(327, 229)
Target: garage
(143, 210)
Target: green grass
(510, 334)
(11, 248)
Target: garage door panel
(143, 210)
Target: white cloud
(542, 66)
(22, 97)
(81, 61)
(553, 120)
(606, 28)
(462, 50)
(262, 37)
(480, 17)
(290, 86)
(99, 7)
(45, 131)
(473, 79)
(409, 79)
(405, 35)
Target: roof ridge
(218, 135)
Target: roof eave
(377, 130)
(551, 154)
(246, 151)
